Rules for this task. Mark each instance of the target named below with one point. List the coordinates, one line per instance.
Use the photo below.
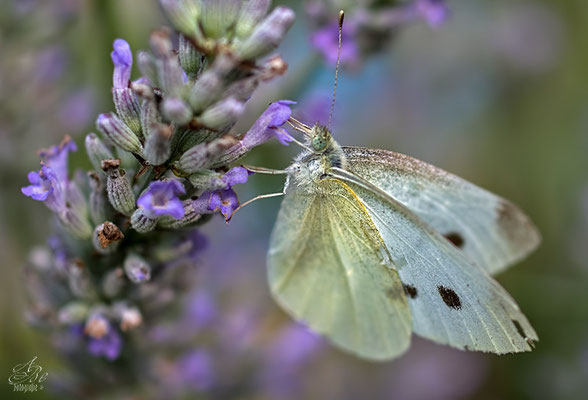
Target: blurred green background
(498, 95)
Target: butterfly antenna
(341, 17)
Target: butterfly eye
(319, 143)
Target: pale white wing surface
(327, 267)
(452, 300)
(493, 232)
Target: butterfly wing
(492, 231)
(452, 300)
(328, 267)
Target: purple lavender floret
(235, 176)
(269, 125)
(40, 187)
(122, 57)
(161, 198)
(225, 201)
(51, 183)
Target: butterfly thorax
(311, 167)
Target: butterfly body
(362, 252)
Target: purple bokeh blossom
(292, 349)
(326, 40)
(161, 198)
(108, 346)
(435, 12)
(196, 370)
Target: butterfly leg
(261, 196)
(268, 171)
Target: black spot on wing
(455, 238)
(411, 291)
(522, 333)
(450, 298)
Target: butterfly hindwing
(453, 301)
(329, 268)
(490, 230)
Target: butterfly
(370, 246)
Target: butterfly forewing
(490, 230)
(452, 300)
(329, 267)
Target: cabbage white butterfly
(371, 245)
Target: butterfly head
(320, 139)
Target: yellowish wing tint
(453, 301)
(329, 268)
(490, 230)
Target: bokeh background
(497, 95)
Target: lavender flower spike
(122, 57)
(161, 198)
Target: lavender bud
(147, 66)
(127, 106)
(79, 280)
(251, 13)
(170, 74)
(207, 180)
(207, 89)
(97, 150)
(113, 283)
(267, 35)
(136, 269)
(183, 14)
(96, 326)
(130, 317)
(76, 222)
(141, 222)
(99, 206)
(118, 187)
(149, 117)
(217, 16)
(176, 110)
(190, 58)
(158, 144)
(106, 237)
(119, 133)
(143, 90)
(72, 313)
(160, 43)
(210, 85)
(193, 210)
(223, 114)
(201, 156)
